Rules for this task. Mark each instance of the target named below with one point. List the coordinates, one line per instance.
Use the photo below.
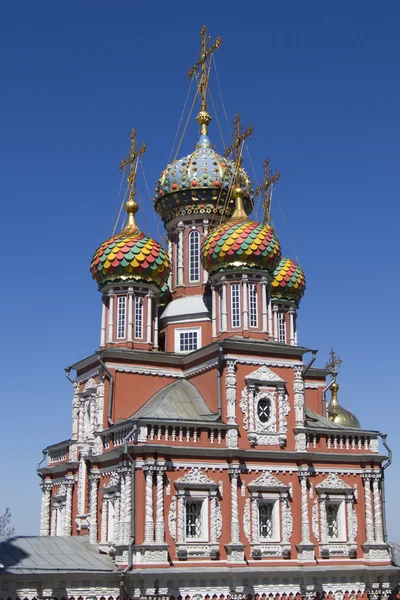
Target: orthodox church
(205, 461)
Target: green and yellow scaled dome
(241, 243)
(130, 256)
(289, 282)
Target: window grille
(235, 304)
(194, 256)
(253, 304)
(121, 317)
(332, 517)
(282, 327)
(265, 519)
(264, 410)
(193, 519)
(188, 340)
(138, 317)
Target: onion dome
(289, 281)
(200, 184)
(241, 243)
(339, 415)
(130, 255)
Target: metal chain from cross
(269, 179)
(205, 53)
(239, 138)
(132, 161)
(333, 363)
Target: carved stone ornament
(246, 519)
(301, 441)
(264, 375)
(287, 521)
(266, 482)
(172, 518)
(195, 477)
(232, 438)
(218, 519)
(315, 519)
(333, 482)
(114, 480)
(90, 385)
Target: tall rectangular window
(194, 525)
(332, 517)
(121, 317)
(265, 519)
(194, 256)
(235, 304)
(282, 327)
(138, 317)
(253, 305)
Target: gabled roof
(178, 401)
(45, 554)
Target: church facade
(204, 458)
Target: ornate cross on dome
(333, 363)
(269, 180)
(236, 147)
(132, 160)
(205, 53)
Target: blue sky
(319, 82)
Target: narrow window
(264, 410)
(188, 340)
(235, 304)
(253, 304)
(194, 256)
(265, 519)
(194, 527)
(110, 520)
(332, 517)
(121, 317)
(282, 327)
(138, 317)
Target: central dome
(200, 184)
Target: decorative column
(377, 508)
(275, 316)
(53, 525)
(213, 516)
(94, 478)
(235, 547)
(224, 315)
(75, 412)
(351, 520)
(149, 519)
(264, 305)
(299, 402)
(245, 296)
(231, 391)
(93, 414)
(82, 487)
(291, 326)
(69, 486)
(45, 508)
(181, 517)
(129, 332)
(100, 401)
(150, 296)
(214, 311)
(110, 325)
(160, 527)
(103, 321)
(180, 253)
(170, 262)
(254, 519)
(270, 319)
(305, 548)
(323, 520)
(125, 506)
(155, 327)
(205, 231)
(369, 520)
(104, 521)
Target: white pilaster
(264, 315)
(270, 319)
(369, 520)
(150, 296)
(214, 311)
(160, 528)
(104, 521)
(69, 485)
(180, 253)
(275, 315)
(45, 508)
(205, 231)
(377, 509)
(103, 322)
(291, 327)
(230, 391)
(245, 296)
(94, 482)
(149, 518)
(110, 325)
(224, 315)
(170, 262)
(129, 332)
(155, 326)
(305, 523)
(235, 523)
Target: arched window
(194, 256)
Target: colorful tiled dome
(130, 255)
(289, 281)
(199, 184)
(242, 243)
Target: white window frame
(235, 305)
(139, 317)
(268, 499)
(203, 497)
(253, 305)
(282, 329)
(184, 330)
(342, 533)
(121, 317)
(194, 256)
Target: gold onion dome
(200, 183)
(241, 243)
(130, 255)
(289, 282)
(339, 415)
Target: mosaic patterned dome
(130, 255)
(199, 184)
(289, 281)
(242, 243)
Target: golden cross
(334, 362)
(132, 160)
(202, 62)
(269, 180)
(238, 140)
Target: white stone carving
(172, 518)
(264, 374)
(266, 480)
(231, 391)
(246, 519)
(301, 441)
(298, 389)
(287, 521)
(315, 519)
(142, 435)
(244, 408)
(231, 438)
(334, 482)
(195, 476)
(352, 522)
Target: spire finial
(203, 118)
(269, 180)
(131, 206)
(333, 364)
(236, 148)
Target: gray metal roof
(178, 401)
(34, 554)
